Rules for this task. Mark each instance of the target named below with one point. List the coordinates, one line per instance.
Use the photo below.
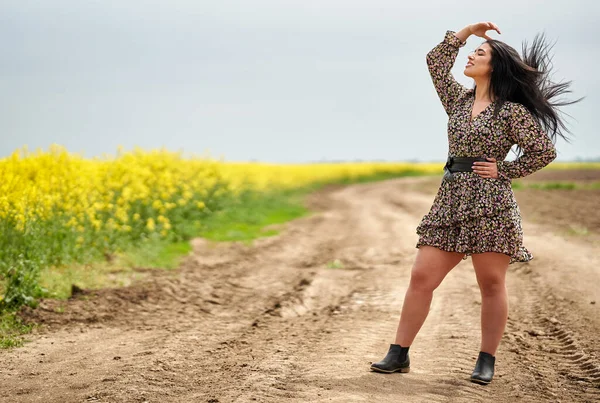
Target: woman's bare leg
(430, 268)
(490, 268)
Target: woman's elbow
(550, 155)
(430, 57)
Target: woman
(474, 212)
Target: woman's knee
(490, 269)
(422, 280)
(431, 266)
(492, 286)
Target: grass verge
(555, 185)
(12, 330)
(243, 220)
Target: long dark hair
(526, 80)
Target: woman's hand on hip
(486, 169)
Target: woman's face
(479, 62)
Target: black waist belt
(460, 164)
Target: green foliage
(335, 264)
(11, 330)
(155, 253)
(21, 285)
(244, 219)
(555, 185)
(517, 185)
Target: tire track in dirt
(551, 337)
(272, 322)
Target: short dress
(471, 214)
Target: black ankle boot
(484, 369)
(396, 360)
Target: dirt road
(299, 317)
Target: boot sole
(479, 381)
(383, 371)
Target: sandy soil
(278, 322)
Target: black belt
(460, 164)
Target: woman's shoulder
(514, 109)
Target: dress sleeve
(538, 150)
(440, 60)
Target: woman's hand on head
(486, 169)
(480, 29)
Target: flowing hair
(526, 80)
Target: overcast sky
(268, 80)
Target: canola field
(58, 207)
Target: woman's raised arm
(441, 58)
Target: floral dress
(471, 214)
